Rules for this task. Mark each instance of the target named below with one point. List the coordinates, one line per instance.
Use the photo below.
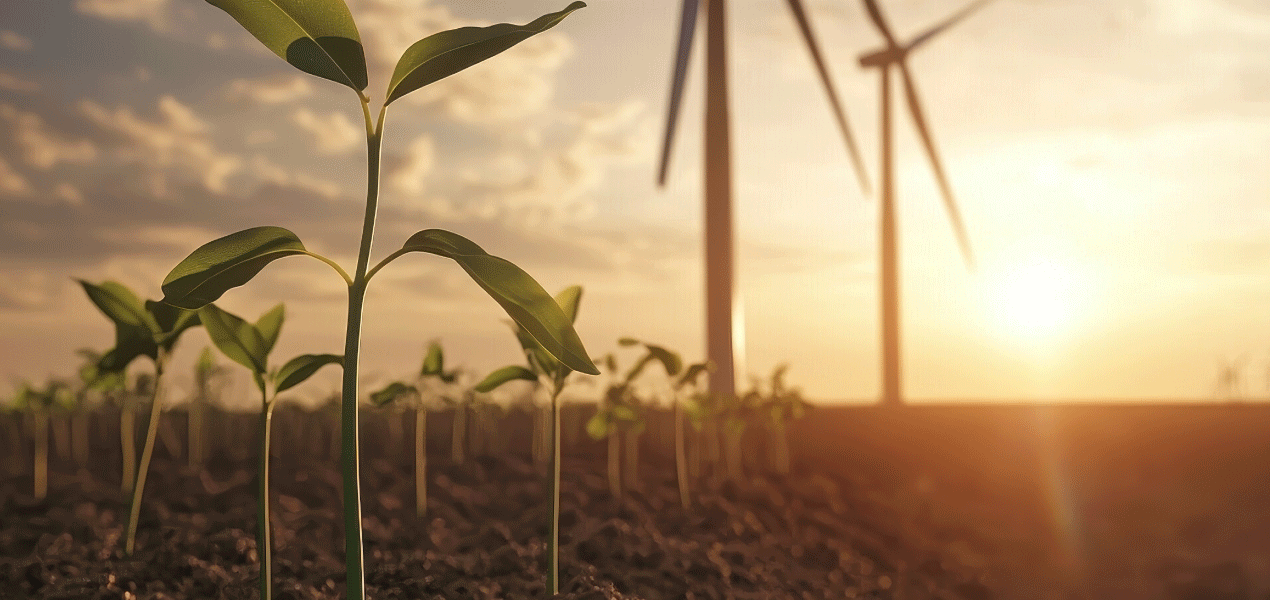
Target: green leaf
(443, 54)
(270, 326)
(225, 263)
(503, 375)
(172, 322)
(694, 370)
(316, 36)
(302, 367)
(236, 338)
(525, 301)
(130, 343)
(570, 299)
(600, 425)
(392, 392)
(120, 304)
(433, 361)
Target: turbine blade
(687, 27)
(923, 130)
(879, 21)
(804, 25)
(946, 23)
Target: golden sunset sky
(1109, 157)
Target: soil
(804, 536)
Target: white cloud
(270, 172)
(15, 41)
(13, 83)
(409, 178)
(333, 133)
(12, 182)
(179, 138)
(154, 13)
(42, 148)
(270, 90)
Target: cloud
(278, 89)
(12, 182)
(178, 138)
(409, 177)
(333, 133)
(15, 41)
(42, 148)
(155, 13)
(13, 83)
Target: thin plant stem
(350, 458)
(615, 465)
(553, 542)
(40, 466)
(147, 451)
(264, 534)
(681, 461)
(458, 428)
(128, 441)
(421, 462)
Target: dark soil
(793, 537)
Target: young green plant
(543, 366)
(148, 329)
(209, 376)
(319, 37)
(780, 405)
(249, 345)
(39, 403)
(432, 379)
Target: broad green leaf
(172, 322)
(236, 338)
(226, 263)
(600, 425)
(503, 375)
(433, 361)
(130, 343)
(525, 301)
(302, 367)
(570, 299)
(443, 54)
(392, 392)
(316, 36)
(690, 375)
(270, 326)
(120, 304)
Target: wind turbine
(723, 315)
(894, 54)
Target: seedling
(432, 376)
(39, 403)
(543, 366)
(618, 410)
(92, 379)
(319, 37)
(141, 329)
(209, 377)
(779, 405)
(249, 345)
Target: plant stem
(681, 461)
(40, 468)
(615, 465)
(264, 535)
(350, 466)
(152, 433)
(128, 440)
(421, 461)
(553, 542)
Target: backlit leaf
(392, 392)
(270, 326)
(302, 367)
(316, 36)
(172, 322)
(120, 304)
(433, 361)
(504, 375)
(525, 301)
(443, 54)
(226, 263)
(236, 338)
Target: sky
(1108, 159)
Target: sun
(1038, 300)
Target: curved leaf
(318, 37)
(433, 361)
(690, 375)
(270, 326)
(236, 338)
(503, 375)
(525, 301)
(302, 367)
(668, 359)
(130, 343)
(570, 299)
(120, 304)
(226, 263)
(172, 322)
(391, 393)
(443, 54)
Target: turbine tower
(724, 321)
(894, 55)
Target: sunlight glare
(1035, 301)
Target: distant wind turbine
(723, 318)
(894, 54)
